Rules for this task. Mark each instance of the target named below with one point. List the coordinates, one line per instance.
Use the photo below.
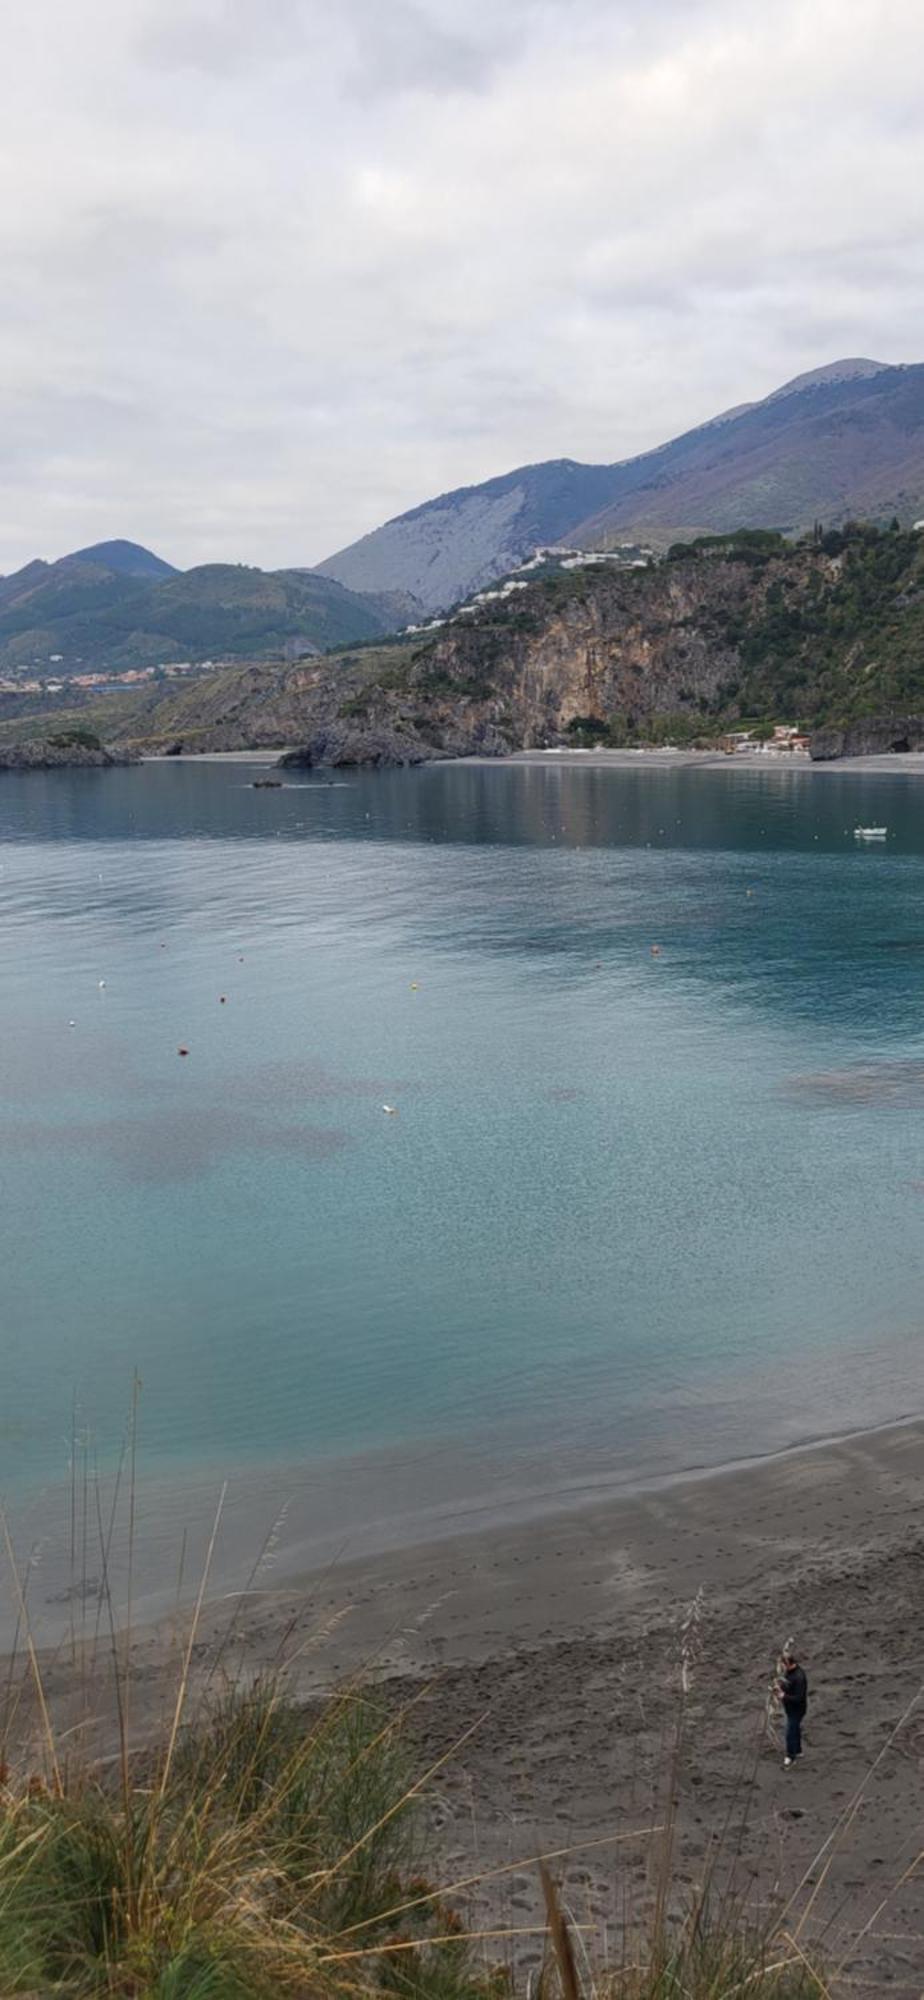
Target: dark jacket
(794, 1690)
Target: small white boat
(870, 832)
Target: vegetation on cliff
(728, 630)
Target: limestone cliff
(746, 628)
(750, 628)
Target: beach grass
(233, 1866)
(262, 1849)
(279, 1855)
(259, 1849)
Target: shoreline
(891, 763)
(558, 1644)
(885, 764)
(384, 1505)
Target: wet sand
(559, 1643)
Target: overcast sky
(274, 270)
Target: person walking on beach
(793, 1693)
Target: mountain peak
(854, 445)
(125, 558)
(852, 369)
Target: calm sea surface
(635, 1211)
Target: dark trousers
(794, 1732)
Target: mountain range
(117, 606)
(845, 440)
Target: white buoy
(390, 1110)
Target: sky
(276, 270)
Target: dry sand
(559, 1642)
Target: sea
(397, 1152)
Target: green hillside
(97, 617)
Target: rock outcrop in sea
(46, 754)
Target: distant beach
(892, 764)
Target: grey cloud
(222, 39)
(400, 47)
(273, 274)
(376, 48)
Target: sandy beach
(558, 1643)
(895, 763)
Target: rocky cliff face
(574, 657)
(875, 737)
(43, 754)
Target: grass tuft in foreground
(231, 1873)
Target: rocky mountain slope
(843, 441)
(442, 551)
(748, 627)
(117, 606)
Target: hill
(829, 631)
(126, 558)
(115, 607)
(844, 440)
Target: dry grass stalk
(560, 1937)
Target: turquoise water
(634, 1212)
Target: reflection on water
(477, 805)
(900, 1084)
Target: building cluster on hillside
(626, 555)
(629, 555)
(31, 679)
